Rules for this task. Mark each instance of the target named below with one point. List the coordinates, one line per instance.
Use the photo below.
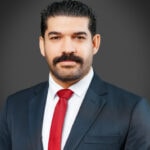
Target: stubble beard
(67, 73)
(71, 76)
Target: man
(99, 115)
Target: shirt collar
(78, 88)
(81, 86)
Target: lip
(68, 63)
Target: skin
(68, 35)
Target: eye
(80, 37)
(55, 38)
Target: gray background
(124, 54)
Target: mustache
(70, 57)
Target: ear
(96, 43)
(41, 45)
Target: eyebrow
(80, 33)
(54, 33)
(59, 33)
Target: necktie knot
(65, 93)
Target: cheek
(49, 56)
(86, 52)
(51, 51)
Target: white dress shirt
(74, 103)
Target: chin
(68, 78)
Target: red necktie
(58, 119)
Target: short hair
(68, 8)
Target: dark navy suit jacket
(109, 119)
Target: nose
(68, 46)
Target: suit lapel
(36, 111)
(90, 109)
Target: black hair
(68, 8)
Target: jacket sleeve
(138, 137)
(5, 138)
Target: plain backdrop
(123, 58)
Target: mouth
(68, 63)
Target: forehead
(67, 24)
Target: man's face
(68, 47)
